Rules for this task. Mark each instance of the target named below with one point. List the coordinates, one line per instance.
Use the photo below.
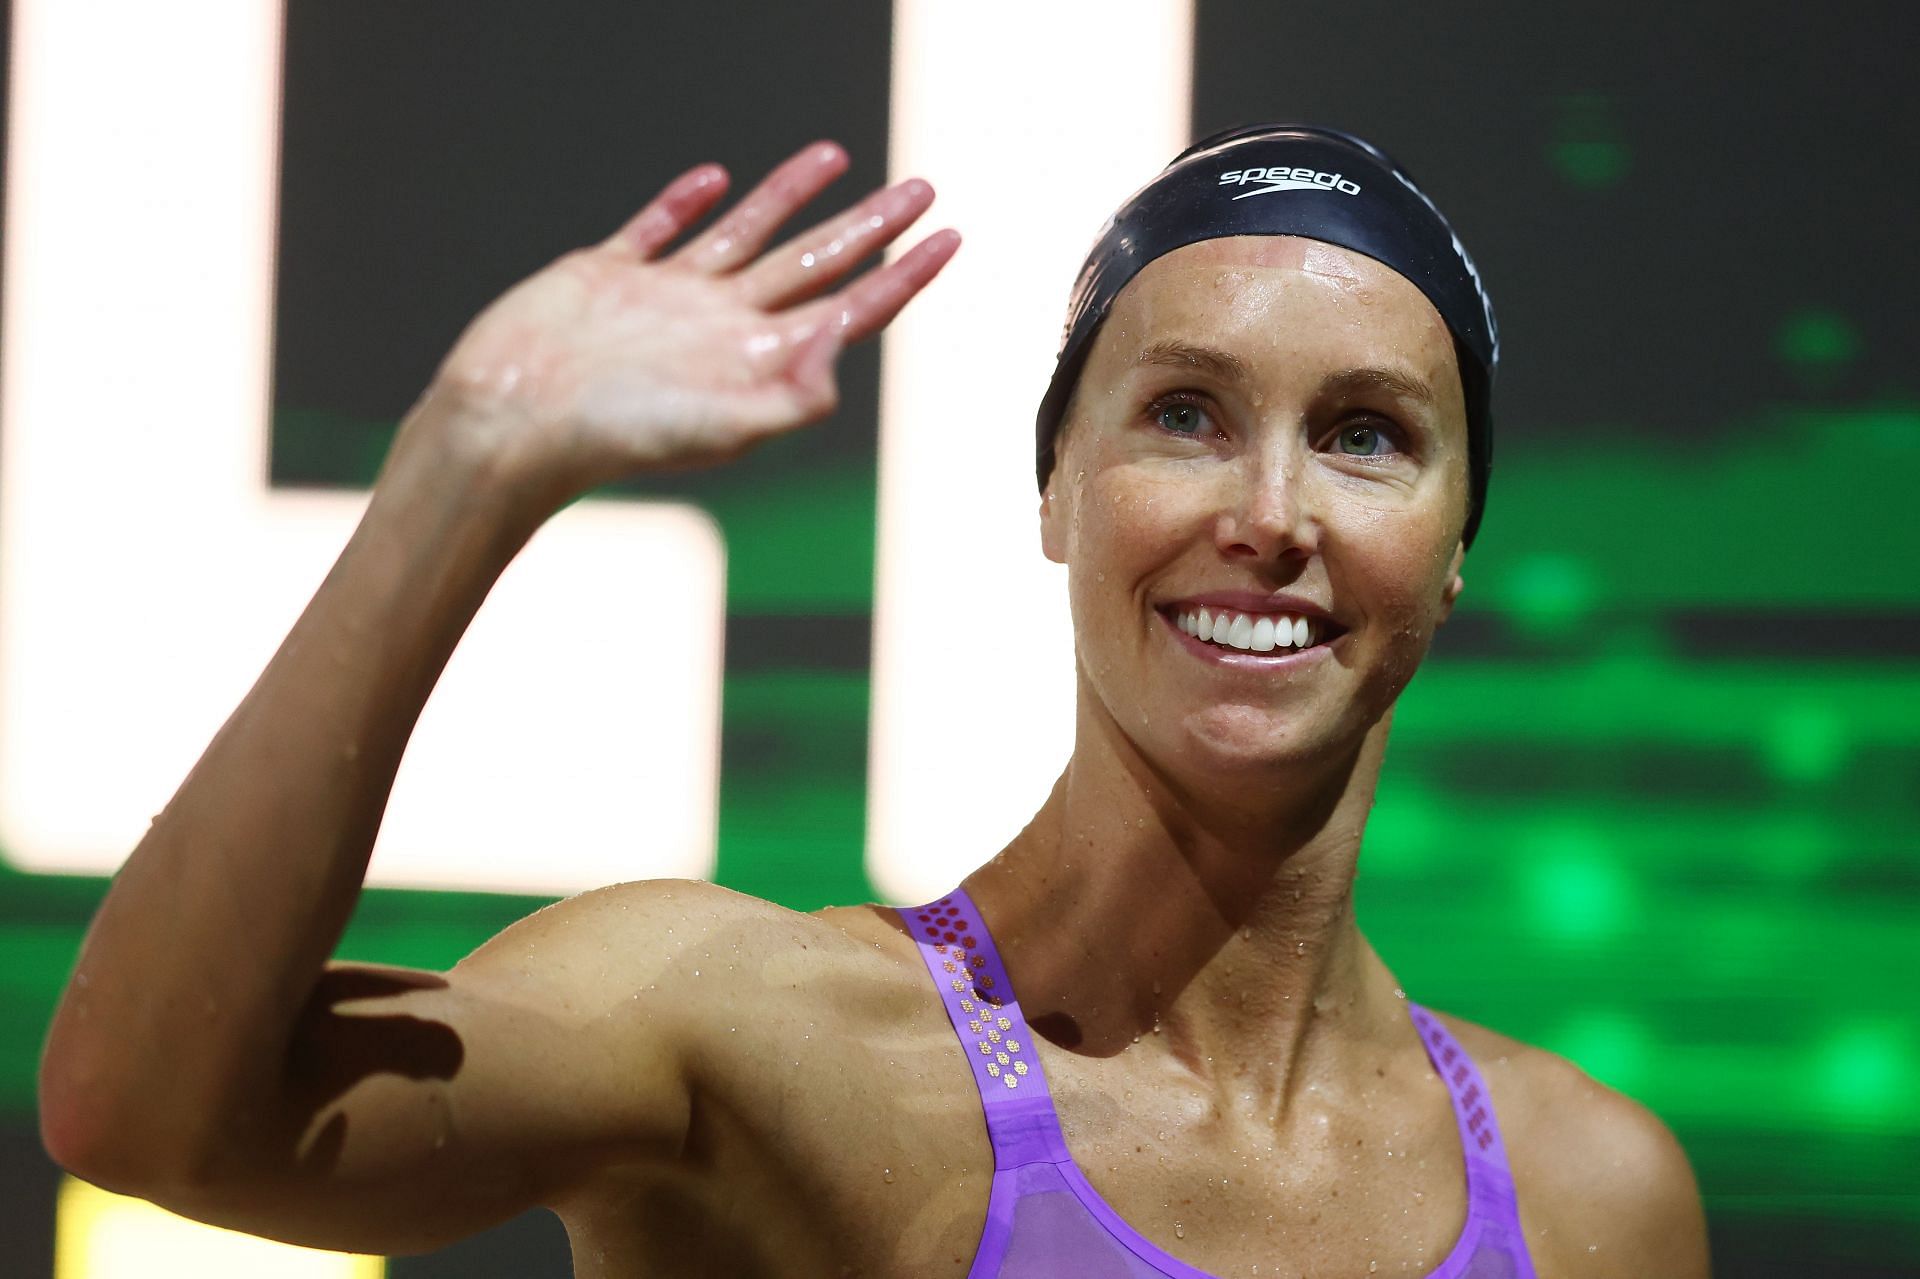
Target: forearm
(175, 1022)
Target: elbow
(88, 1130)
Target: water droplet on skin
(1299, 948)
(1179, 1231)
(886, 1175)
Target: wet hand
(624, 357)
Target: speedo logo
(1272, 180)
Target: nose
(1270, 513)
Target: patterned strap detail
(966, 968)
(1489, 1180)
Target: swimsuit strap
(1489, 1179)
(966, 968)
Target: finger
(869, 304)
(810, 263)
(678, 206)
(739, 236)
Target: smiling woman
(1263, 456)
(1264, 452)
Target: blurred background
(1653, 803)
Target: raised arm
(204, 1053)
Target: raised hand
(622, 358)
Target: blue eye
(1181, 417)
(1362, 440)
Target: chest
(872, 1158)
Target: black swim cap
(1291, 179)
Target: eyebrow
(1229, 367)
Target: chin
(1239, 740)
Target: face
(1267, 428)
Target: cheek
(1126, 516)
(1407, 586)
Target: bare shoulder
(1604, 1186)
(672, 938)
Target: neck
(1212, 924)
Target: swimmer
(1146, 1038)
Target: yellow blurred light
(101, 1235)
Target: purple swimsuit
(1045, 1221)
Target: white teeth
(1262, 634)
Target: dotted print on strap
(960, 958)
(1453, 1065)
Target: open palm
(620, 358)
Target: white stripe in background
(147, 572)
(1033, 123)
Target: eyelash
(1387, 426)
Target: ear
(1455, 583)
(1053, 524)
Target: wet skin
(1232, 1062)
(702, 1083)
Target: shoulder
(683, 956)
(1604, 1186)
(659, 915)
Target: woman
(1261, 431)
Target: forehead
(1278, 291)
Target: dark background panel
(1679, 210)
(436, 152)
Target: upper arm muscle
(422, 1107)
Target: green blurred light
(1573, 886)
(1814, 339)
(1861, 1070)
(1806, 744)
(1400, 829)
(1795, 845)
(1588, 148)
(1550, 596)
(1611, 1046)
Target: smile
(1240, 638)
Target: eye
(1366, 439)
(1178, 414)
